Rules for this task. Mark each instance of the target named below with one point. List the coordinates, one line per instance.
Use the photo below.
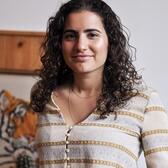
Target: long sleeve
(155, 133)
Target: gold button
(67, 142)
(67, 150)
(68, 134)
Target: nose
(81, 43)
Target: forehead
(83, 19)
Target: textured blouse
(112, 142)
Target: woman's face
(84, 42)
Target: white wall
(146, 21)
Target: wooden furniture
(20, 51)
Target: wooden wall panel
(20, 51)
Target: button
(67, 142)
(67, 150)
(69, 127)
(67, 134)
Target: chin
(86, 69)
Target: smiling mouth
(76, 56)
(82, 58)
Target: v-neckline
(62, 116)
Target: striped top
(112, 142)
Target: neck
(87, 84)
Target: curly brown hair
(119, 76)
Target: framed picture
(20, 51)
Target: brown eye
(92, 35)
(69, 36)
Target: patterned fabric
(110, 142)
(17, 130)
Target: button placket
(67, 150)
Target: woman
(93, 109)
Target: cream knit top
(106, 143)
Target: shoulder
(58, 95)
(145, 98)
(151, 95)
(61, 91)
(147, 92)
(149, 100)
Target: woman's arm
(155, 133)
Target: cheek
(64, 47)
(102, 47)
(102, 42)
(65, 50)
(102, 51)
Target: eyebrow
(87, 30)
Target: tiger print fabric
(17, 130)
